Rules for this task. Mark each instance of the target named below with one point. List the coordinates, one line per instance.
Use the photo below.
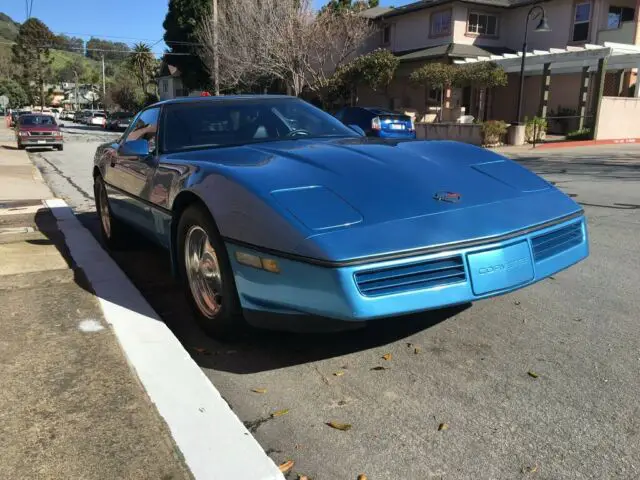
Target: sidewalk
(70, 405)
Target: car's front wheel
(115, 235)
(207, 275)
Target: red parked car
(38, 130)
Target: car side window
(340, 114)
(145, 127)
(347, 116)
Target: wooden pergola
(589, 59)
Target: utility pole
(216, 82)
(104, 85)
(76, 94)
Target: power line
(83, 49)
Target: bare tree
(280, 39)
(337, 37)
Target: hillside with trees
(34, 61)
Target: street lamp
(543, 26)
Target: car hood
(397, 194)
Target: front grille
(414, 276)
(552, 243)
(40, 134)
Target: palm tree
(141, 63)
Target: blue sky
(133, 20)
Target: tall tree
(31, 52)
(349, 5)
(181, 27)
(280, 39)
(142, 64)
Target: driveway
(541, 383)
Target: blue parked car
(378, 122)
(272, 208)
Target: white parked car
(97, 118)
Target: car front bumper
(40, 142)
(408, 285)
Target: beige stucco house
(452, 31)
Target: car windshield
(235, 122)
(37, 120)
(99, 115)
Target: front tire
(20, 146)
(206, 273)
(59, 147)
(115, 235)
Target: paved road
(579, 331)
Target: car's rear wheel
(115, 235)
(60, 147)
(207, 275)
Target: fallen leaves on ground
(339, 373)
(286, 466)
(530, 469)
(379, 367)
(516, 302)
(443, 426)
(339, 426)
(303, 477)
(386, 356)
(280, 413)
(362, 476)
(532, 374)
(259, 390)
(416, 351)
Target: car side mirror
(358, 130)
(134, 148)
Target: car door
(127, 176)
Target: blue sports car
(272, 207)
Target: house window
(617, 15)
(482, 24)
(386, 35)
(441, 23)
(165, 86)
(581, 20)
(435, 94)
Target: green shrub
(493, 131)
(582, 134)
(537, 125)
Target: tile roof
(451, 50)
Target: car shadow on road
(619, 165)
(255, 350)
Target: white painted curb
(214, 442)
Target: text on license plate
(42, 141)
(396, 126)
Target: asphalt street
(541, 383)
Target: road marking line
(214, 442)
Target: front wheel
(20, 146)
(207, 275)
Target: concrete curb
(214, 442)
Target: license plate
(500, 268)
(396, 126)
(42, 141)
(123, 125)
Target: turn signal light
(255, 261)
